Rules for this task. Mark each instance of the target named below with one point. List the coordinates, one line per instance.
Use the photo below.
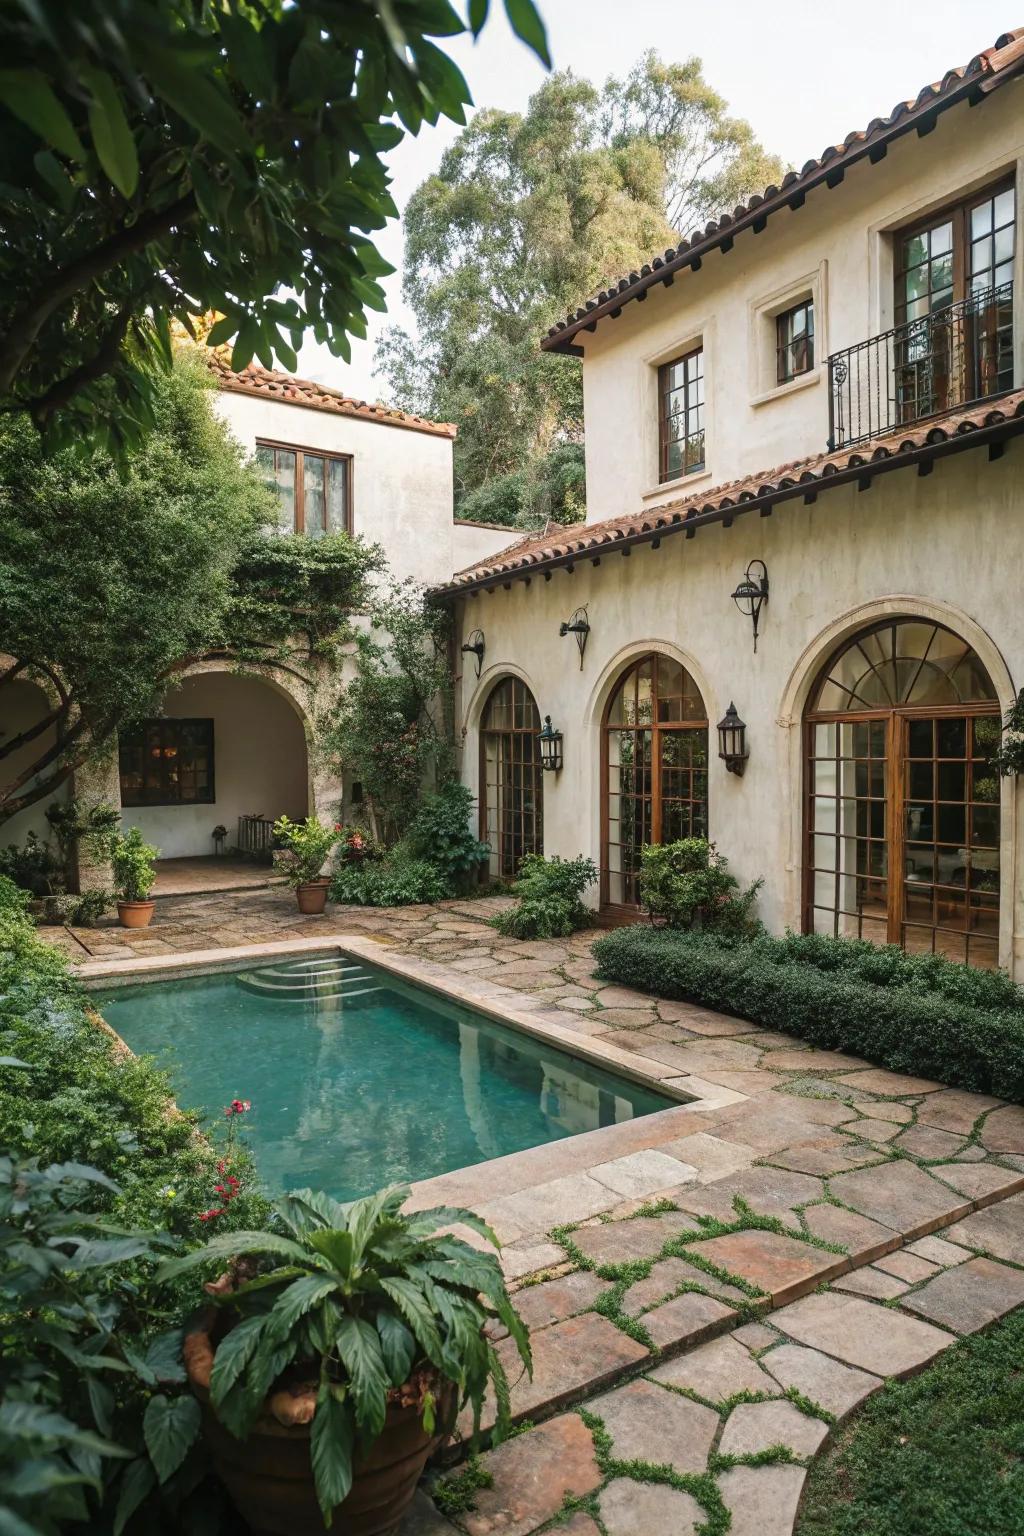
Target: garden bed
(922, 1015)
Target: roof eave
(873, 146)
(805, 485)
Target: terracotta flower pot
(135, 914)
(269, 1476)
(312, 897)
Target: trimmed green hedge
(935, 1019)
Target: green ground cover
(939, 1455)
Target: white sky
(804, 72)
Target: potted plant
(301, 855)
(336, 1353)
(132, 863)
(220, 837)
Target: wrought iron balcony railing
(946, 359)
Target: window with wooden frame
(167, 762)
(903, 824)
(654, 769)
(314, 489)
(511, 777)
(954, 303)
(794, 342)
(681, 416)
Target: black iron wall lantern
(732, 741)
(579, 626)
(550, 747)
(474, 646)
(752, 593)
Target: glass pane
(337, 496)
(313, 494)
(277, 466)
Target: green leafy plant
(33, 866)
(440, 834)
(943, 1021)
(90, 1374)
(393, 881)
(549, 905)
(390, 728)
(76, 823)
(687, 884)
(157, 162)
(1006, 754)
(132, 860)
(361, 1301)
(306, 845)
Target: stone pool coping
(601, 1167)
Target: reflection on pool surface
(357, 1081)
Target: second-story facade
(806, 501)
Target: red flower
(237, 1107)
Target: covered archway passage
(654, 769)
(225, 746)
(902, 819)
(511, 778)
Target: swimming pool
(357, 1080)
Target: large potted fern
(337, 1351)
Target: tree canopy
(164, 158)
(526, 214)
(115, 576)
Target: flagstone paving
(814, 1226)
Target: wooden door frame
(897, 730)
(486, 734)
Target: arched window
(511, 779)
(655, 769)
(902, 802)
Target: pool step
(302, 981)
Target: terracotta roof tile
(268, 384)
(560, 546)
(984, 72)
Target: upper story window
(314, 489)
(681, 416)
(794, 342)
(167, 762)
(963, 251)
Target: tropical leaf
(359, 1346)
(115, 147)
(336, 1247)
(409, 1300)
(293, 1303)
(398, 1346)
(28, 94)
(234, 1352)
(331, 1443)
(229, 1244)
(452, 1216)
(526, 24)
(170, 1427)
(163, 1357)
(138, 1481)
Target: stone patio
(701, 1284)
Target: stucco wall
(259, 756)
(401, 479)
(948, 546)
(839, 244)
(472, 542)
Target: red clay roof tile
(268, 384)
(559, 546)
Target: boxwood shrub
(912, 1014)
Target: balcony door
(902, 817)
(954, 306)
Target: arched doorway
(902, 818)
(511, 778)
(654, 769)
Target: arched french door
(902, 818)
(654, 769)
(511, 778)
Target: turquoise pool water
(355, 1081)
